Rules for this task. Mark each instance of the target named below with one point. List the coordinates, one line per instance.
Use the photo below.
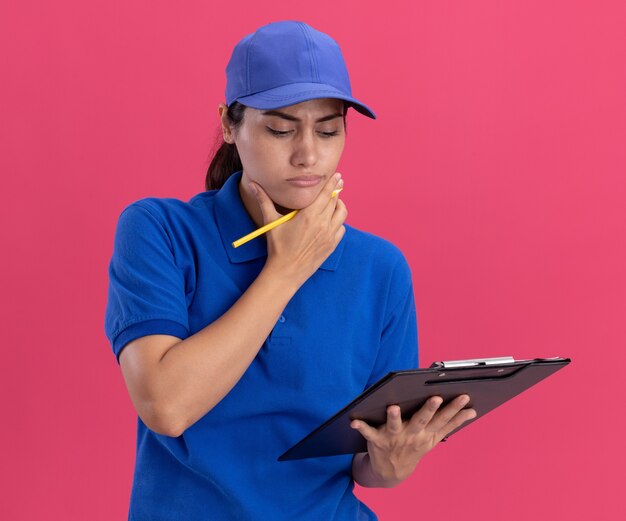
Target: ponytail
(226, 160)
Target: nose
(305, 153)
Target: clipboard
(489, 382)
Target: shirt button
(281, 319)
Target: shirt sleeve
(398, 349)
(146, 293)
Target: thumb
(265, 203)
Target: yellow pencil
(272, 225)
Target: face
(274, 146)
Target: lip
(305, 180)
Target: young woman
(232, 355)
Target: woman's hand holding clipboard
(488, 382)
(395, 449)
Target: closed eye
(287, 132)
(279, 132)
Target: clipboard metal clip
(474, 362)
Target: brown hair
(226, 160)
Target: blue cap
(287, 62)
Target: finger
(330, 202)
(329, 214)
(446, 414)
(367, 431)
(459, 419)
(340, 213)
(422, 417)
(324, 198)
(265, 203)
(394, 419)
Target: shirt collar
(233, 222)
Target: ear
(222, 110)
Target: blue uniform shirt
(174, 271)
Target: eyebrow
(289, 117)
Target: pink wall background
(497, 165)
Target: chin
(291, 205)
(284, 209)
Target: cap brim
(293, 93)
